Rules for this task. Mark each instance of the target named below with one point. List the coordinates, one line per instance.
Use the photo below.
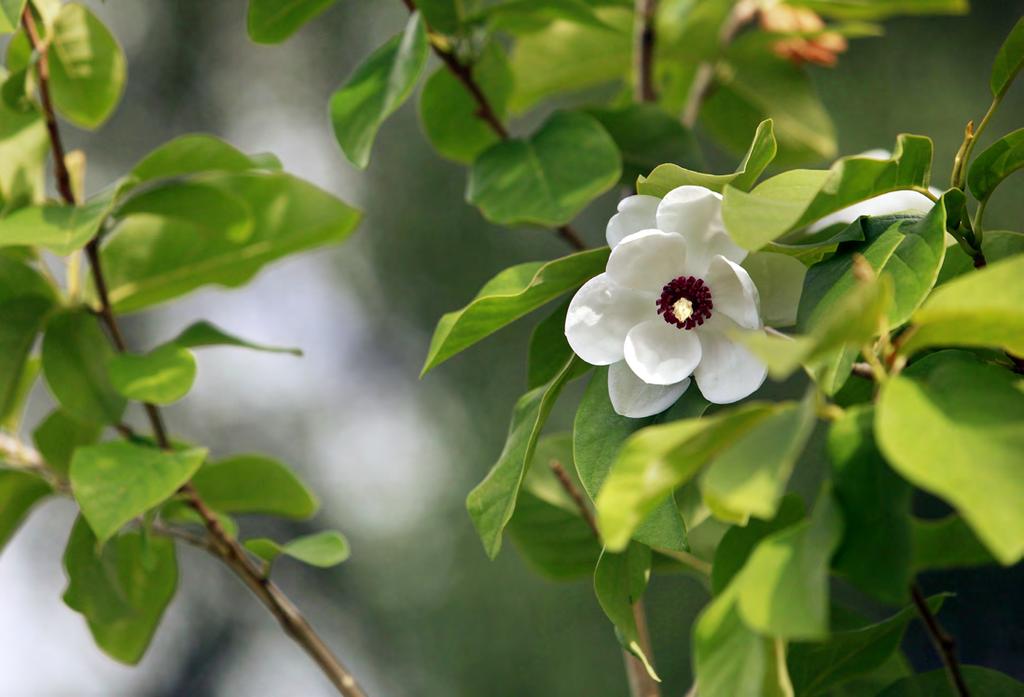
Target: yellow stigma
(682, 309)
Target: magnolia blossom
(672, 296)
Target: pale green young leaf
(1009, 60)
(321, 549)
(117, 481)
(203, 333)
(508, 296)
(10, 15)
(759, 155)
(273, 21)
(190, 154)
(59, 435)
(980, 681)
(619, 583)
(87, 67)
(162, 376)
(75, 358)
(946, 543)
(254, 484)
(376, 89)
(996, 162)
(121, 590)
(547, 178)
(730, 659)
(19, 492)
(59, 228)
(739, 542)
(23, 147)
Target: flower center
(685, 302)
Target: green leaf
(203, 333)
(508, 296)
(19, 492)
(75, 358)
(875, 551)
(619, 584)
(151, 259)
(548, 178)
(87, 67)
(598, 437)
(21, 319)
(61, 229)
(116, 481)
(213, 211)
(19, 280)
(123, 590)
(818, 668)
(492, 502)
(656, 460)
(739, 542)
(983, 308)
(791, 200)
(322, 549)
(162, 376)
(10, 15)
(449, 113)
(1008, 61)
(980, 681)
(647, 136)
(996, 162)
(759, 155)
(59, 435)
(254, 484)
(954, 426)
(997, 245)
(883, 9)
(273, 21)
(527, 16)
(24, 144)
(748, 478)
(376, 89)
(782, 590)
(548, 349)
(947, 543)
(190, 154)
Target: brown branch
(945, 645)
(576, 496)
(643, 50)
(486, 112)
(226, 547)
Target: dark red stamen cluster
(693, 289)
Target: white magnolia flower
(664, 309)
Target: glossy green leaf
(996, 162)
(190, 154)
(619, 583)
(203, 333)
(748, 478)
(818, 668)
(983, 308)
(376, 89)
(492, 502)
(508, 296)
(794, 199)
(21, 319)
(19, 492)
(1009, 60)
(61, 229)
(656, 460)
(151, 259)
(954, 426)
(759, 155)
(321, 549)
(121, 590)
(548, 178)
(946, 543)
(87, 67)
(739, 542)
(449, 113)
(254, 484)
(59, 435)
(75, 358)
(162, 376)
(980, 681)
(116, 481)
(648, 136)
(875, 552)
(273, 21)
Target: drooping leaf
(647, 136)
(121, 590)
(947, 543)
(190, 154)
(75, 359)
(954, 426)
(548, 178)
(162, 376)
(760, 154)
(508, 296)
(980, 681)
(19, 492)
(739, 542)
(321, 549)
(59, 435)
(203, 333)
(116, 481)
(1009, 60)
(273, 21)
(376, 89)
(619, 583)
(87, 67)
(61, 229)
(254, 484)
(996, 162)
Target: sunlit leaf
(254, 484)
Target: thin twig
(485, 111)
(226, 547)
(643, 50)
(577, 497)
(945, 645)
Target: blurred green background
(418, 610)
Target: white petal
(892, 202)
(632, 397)
(733, 293)
(696, 213)
(779, 279)
(661, 353)
(636, 213)
(599, 317)
(727, 372)
(647, 260)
